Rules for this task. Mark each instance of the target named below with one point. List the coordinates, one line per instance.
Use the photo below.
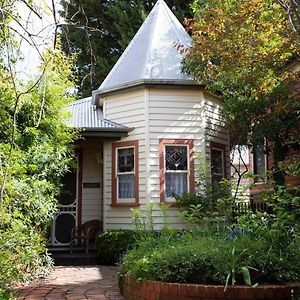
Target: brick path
(75, 283)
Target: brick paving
(75, 283)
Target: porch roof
(90, 119)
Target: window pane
(176, 158)
(217, 161)
(176, 183)
(126, 160)
(126, 186)
(259, 160)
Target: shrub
(35, 152)
(112, 245)
(5, 295)
(210, 204)
(204, 257)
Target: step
(74, 259)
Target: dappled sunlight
(86, 282)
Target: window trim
(254, 163)
(222, 147)
(114, 178)
(190, 171)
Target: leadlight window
(217, 165)
(125, 173)
(176, 170)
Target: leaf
(246, 275)
(227, 281)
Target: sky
(42, 30)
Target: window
(218, 168)
(125, 173)
(259, 161)
(176, 168)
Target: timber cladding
(157, 290)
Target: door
(67, 216)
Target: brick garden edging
(157, 290)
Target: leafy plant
(209, 257)
(112, 245)
(253, 76)
(236, 269)
(144, 221)
(34, 153)
(210, 204)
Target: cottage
(142, 130)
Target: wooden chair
(85, 235)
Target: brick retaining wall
(156, 290)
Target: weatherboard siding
(127, 109)
(173, 114)
(92, 200)
(159, 114)
(215, 128)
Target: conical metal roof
(152, 54)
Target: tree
(99, 31)
(241, 50)
(292, 8)
(35, 148)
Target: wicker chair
(85, 235)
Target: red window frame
(114, 193)
(222, 147)
(191, 162)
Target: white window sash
(187, 172)
(118, 174)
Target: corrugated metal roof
(152, 53)
(85, 115)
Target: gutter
(105, 132)
(107, 129)
(134, 85)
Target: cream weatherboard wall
(215, 128)
(157, 113)
(92, 197)
(127, 109)
(172, 114)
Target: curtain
(126, 186)
(176, 183)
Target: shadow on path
(75, 283)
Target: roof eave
(107, 129)
(187, 82)
(144, 83)
(100, 132)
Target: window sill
(125, 204)
(171, 204)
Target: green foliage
(5, 295)
(209, 204)
(35, 151)
(236, 269)
(258, 247)
(99, 31)
(281, 227)
(144, 221)
(241, 50)
(113, 244)
(285, 205)
(206, 258)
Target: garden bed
(157, 290)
